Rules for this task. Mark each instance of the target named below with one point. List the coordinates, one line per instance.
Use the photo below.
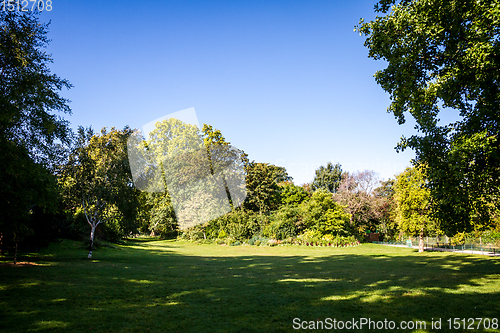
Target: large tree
(192, 176)
(31, 134)
(444, 56)
(413, 205)
(263, 193)
(97, 181)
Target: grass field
(171, 286)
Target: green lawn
(172, 286)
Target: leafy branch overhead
(444, 56)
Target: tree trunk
(421, 241)
(15, 254)
(92, 231)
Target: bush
(194, 233)
(291, 194)
(285, 223)
(238, 224)
(314, 238)
(310, 236)
(258, 241)
(323, 214)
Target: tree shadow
(159, 290)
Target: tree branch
(85, 211)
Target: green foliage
(327, 178)
(310, 236)
(284, 223)
(279, 174)
(162, 219)
(387, 225)
(194, 233)
(386, 189)
(324, 215)
(238, 225)
(258, 241)
(32, 138)
(445, 55)
(97, 181)
(412, 198)
(262, 189)
(316, 238)
(292, 194)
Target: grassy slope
(167, 286)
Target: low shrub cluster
(317, 221)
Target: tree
(30, 134)
(413, 204)
(445, 55)
(386, 208)
(98, 182)
(262, 189)
(280, 174)
(228, 163)
(322, 214)
(328, 177)
(292, 194)
(355, 193)
(192, 176)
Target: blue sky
(289, 82)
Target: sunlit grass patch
(169, 286)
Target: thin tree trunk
(91, 242)
(15, 255)
(421, 241)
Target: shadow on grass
(154, 288)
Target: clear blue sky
(289, 82)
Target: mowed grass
(172, 286)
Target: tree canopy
(328, 177)
(97, 181)
(31, 133)
(444, 56)
(413, 204)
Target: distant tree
(445, 55)
(355, 193)
(226, 162)
(386, 208)
(162, 219)
(280, 174)
(262, 189)
(172, 154)
(31, 136)
(413, 204)
(386, 189)
(97, 181)
(323, 214)
(327, 178)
